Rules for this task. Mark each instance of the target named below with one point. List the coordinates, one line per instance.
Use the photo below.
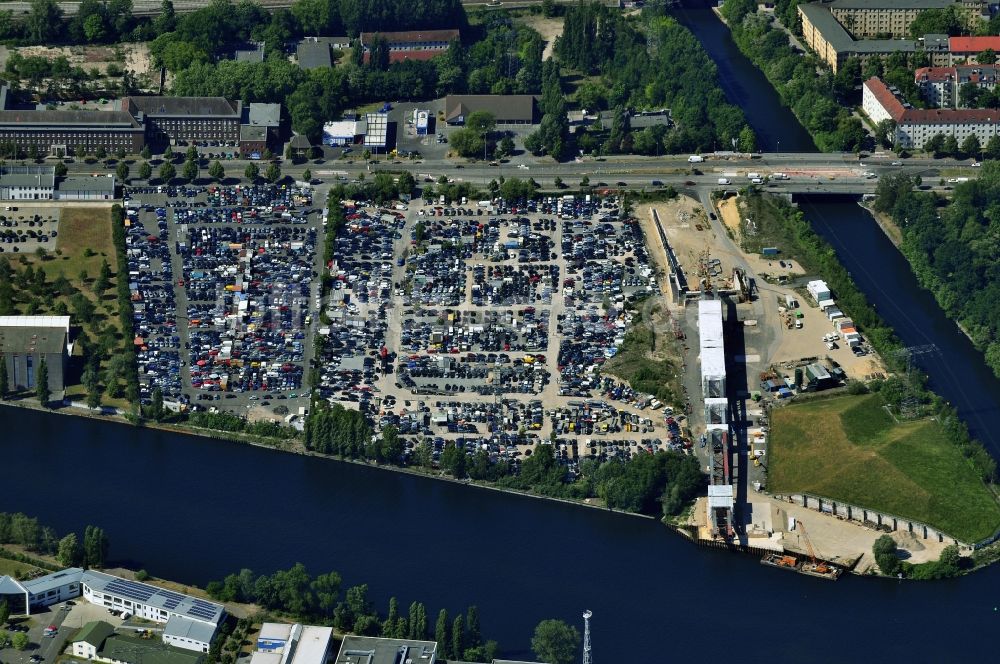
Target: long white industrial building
(713, 353)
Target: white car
(897, 163)
(523, 167)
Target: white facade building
(915, 127)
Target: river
(195, 509)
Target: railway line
(152, 7)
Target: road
(837, 173)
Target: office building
(27, 340)
(281, 643)
(198, 119)
(370, 650)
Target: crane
(818, 566)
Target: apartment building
(914, 127)
(870, 19)
(940, 87)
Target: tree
(441, 633)
(481, 122)
(70, 552)
(42, 383)
(103, 278)
(273, 173)
(80, 151)
(156, 407)
(935, 144)
(122, 171)
(458, 637)
(44, 22)
(884, 550)
(93, 28)
(4, 378)
(217, 171)
(91, 383)
(473, 635)
(101, 153)
(146, 153)
(407, 183)
(950, 146)
(251, 172)
(453, 460)
(190, 172)
(506, 147)
(971, 146)
(307, 175)
(747, 140)
(145, 170)
(4, 612)
(61, 170)
(555, 642)
(468, 143)
(95, 546)
(993, 147)
(390, 446)
(987, 57)
(191, 154)
(167, 171)
(168, 153)
(19, 640)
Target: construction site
(756, 329)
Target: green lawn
(848, 448)
(15, 568)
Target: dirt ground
(681, 210)
(795, 344)
(690, 236)
(136, 56)
(548, 28)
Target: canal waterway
(194, 509)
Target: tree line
(22, 530)
(309, 598)
(647, 62)
(803, 82)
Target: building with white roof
(282, 643)
(713, 354)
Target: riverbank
(299, 449)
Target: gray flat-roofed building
(27, 340)
(313, 53)
(23, 596)
(86, 188)
(18, 183)
(370, 650)
(507, 109)
(260, 127)
(253, 52)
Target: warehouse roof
(88, 183)
(184, 106)
(32, 340)
(505, 108)
(313, 645)
(35, 321)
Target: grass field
(15, 568)
(848, 448)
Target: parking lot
(486, 324)
(24, 229)
(222, 279)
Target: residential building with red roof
(941, 86)
(916, 126)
